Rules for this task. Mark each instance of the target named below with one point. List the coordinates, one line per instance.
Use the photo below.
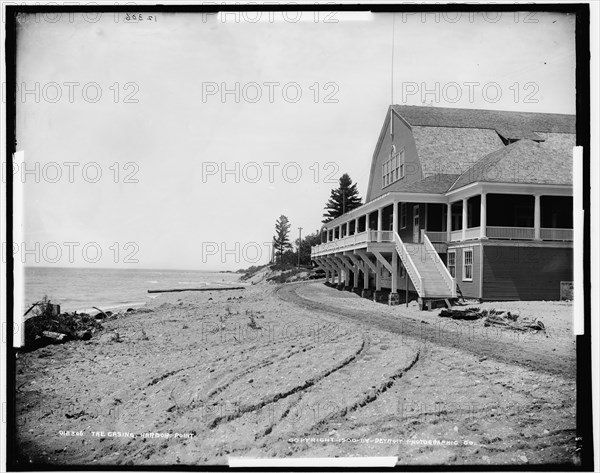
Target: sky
(176, 142)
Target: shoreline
(146, 293)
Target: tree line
(343, 199)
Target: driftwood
(470, 313)
(524, 325)
(29, 310)
(60, 337)
(101, 311)
(233, 288)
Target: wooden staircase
(426, 269)
(434, 285)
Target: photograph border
(583, 138)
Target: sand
(300, 370)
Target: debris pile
(512, 322)
(470, 313)
(494, 317)
(60, 327)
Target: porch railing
(556, 234)
(409, 265)
(501, 233)
(340, 244)
(456, 235)
(471, 233)
(347, 241)
(439, 264)
(437, 237)
(383, 236)
(510, 233)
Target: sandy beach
(301, 370)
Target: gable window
(468, 265)
(402, 215)
(452, 263)
(393, 169)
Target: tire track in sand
(282, 395)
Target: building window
(393, 169)
(452, 263)
(468, 265)
(402, 215)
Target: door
(416, 229)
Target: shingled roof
(445, 150)
(510, 123)
(525, 162)
(435, 184)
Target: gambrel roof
(489, 146)
(434, 184)
(511, 124)
(523, 162)
(446, 150)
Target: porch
(486, 215)
(510, 217)
(410, 233)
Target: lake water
(81, 288)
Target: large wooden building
(477, 202)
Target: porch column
(483, 216)
(464, 219)
(394, 271)
(356, 225)
(338, 271)
(337, 268)
(379, 223)
(378, 277)
(537, 218)
(366, 276)
(449, 220)
(331, 269)
(326, 269)
(395, 217)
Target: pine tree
(342, 200)
(281, 240)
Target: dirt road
(550, 353)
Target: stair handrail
(441, 267)
(409, 264)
